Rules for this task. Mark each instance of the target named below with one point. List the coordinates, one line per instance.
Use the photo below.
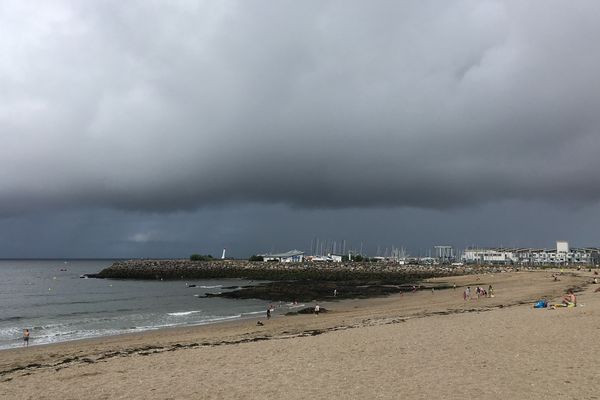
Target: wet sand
(416, 345)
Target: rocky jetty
(296, 281)
(185, 269)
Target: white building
(562, 247)
(336, 257)
(290, 256)
(489, 256)
(562, 255)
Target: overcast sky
(149, 128)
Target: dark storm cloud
(163, 106)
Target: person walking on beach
(26, 337)
(317, 309)
(269, 313)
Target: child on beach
(26, 337)
(570, 300)
(317, 309)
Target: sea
(54, 301)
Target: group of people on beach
(316, 310)
(479, 291)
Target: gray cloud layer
(161, 106)
(251, 229)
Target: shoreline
(344, 315)
(246, 292)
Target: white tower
(223, 256)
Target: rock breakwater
(185, 269)
(297, 281)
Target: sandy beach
(419, 345)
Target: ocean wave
(15, 318)
(253, 313)
(10, 332)
(210, 287)
(183, 313)
(215, 319)
(203, 321)
(92, 312)
(54, 333)
(100, 300)
(53, 336)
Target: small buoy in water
(49, 288)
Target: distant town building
(327, 258)
(488, 256)
(561, 255)
(336, 257)
(290, 256)
(318, 258)
(562, 247)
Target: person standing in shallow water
(26, 337)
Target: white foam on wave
(183, 313)
(49, 337)
(253, 313)
(10, 331)
(210, 287)
(11, 337)
(203, 321)
(215, 319)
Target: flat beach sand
(419, 345)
